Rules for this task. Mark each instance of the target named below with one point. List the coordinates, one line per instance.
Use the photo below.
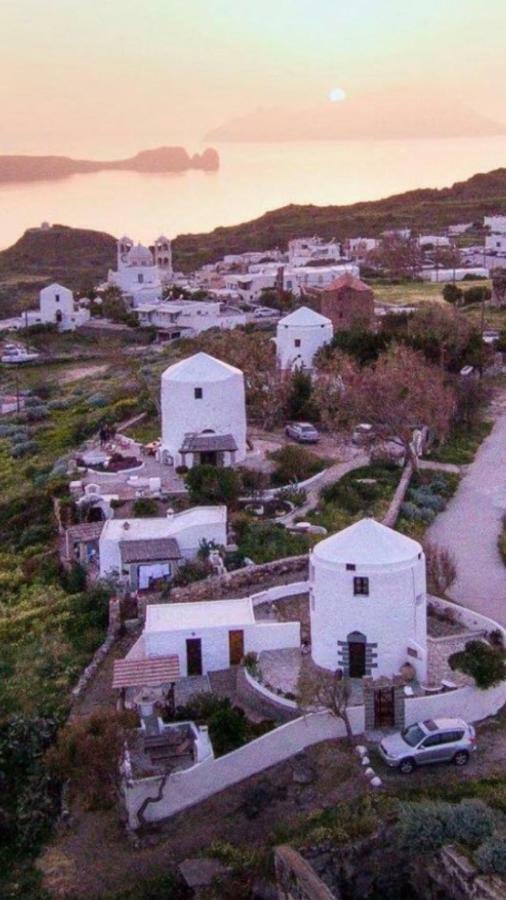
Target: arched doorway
(356, 654)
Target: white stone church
(141, 271)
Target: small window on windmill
(198, 393)
(57, 298)
(297, 342)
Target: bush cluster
(486, 664)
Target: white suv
(434, 740)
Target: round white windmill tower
(203, 412)
(368, 602)
(299, 336)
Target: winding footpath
(471, 524)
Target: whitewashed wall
(469, 703)
(215, 645)
(190, 786)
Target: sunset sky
(108, 75)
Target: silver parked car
(434, 740)
(302, 432)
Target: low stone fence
(400, 492)
(182, 789)
(296, 879)
(103, 650)
(454, 874)
(241, 582)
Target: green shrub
(210, 484)
(294, 463)
(190, 571)
(470, 822)
(145, 507)
(491, 856)
(421, 826)
(227, 729)
(23, 449)
(410, 511)
(484, 663)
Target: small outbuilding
(368, 602)
(299, 337)
(212, 635)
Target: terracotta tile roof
(149, 550)
(207, 443)
(347, 280)
(145, 672)
(87, 531)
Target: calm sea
(253, 178)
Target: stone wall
(398, 498)
(296, 879)
(454, 874)
(244, 582)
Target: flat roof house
(143, 551)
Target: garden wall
(241, 582)
(469, 702)
(189, 786)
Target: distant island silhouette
(162, 159)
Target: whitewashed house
(185, 318)
(203, 413)
(299, 336)
(303, 250)
(56, 307)
(211, 635)
(433, 240)
(495, 242)
(140, 551)
(368, 602)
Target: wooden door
(384, 711)
(194, 656)
(357, 659)
(236, 647)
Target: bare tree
(398, 257)
(318, 688)
(400, 393)
(333, 389)
(441, 568)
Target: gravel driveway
(471, 525)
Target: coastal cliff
(159, 160)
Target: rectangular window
(57, 298)
(297, 342)
(198, 393)
(361, 587)
(350, 567)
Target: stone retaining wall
(296, 879)
(453, 873)
(398, 498)
(244, 582)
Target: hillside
(77, 257)
(162, 159)
(80, 258)
(427, 208)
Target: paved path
(471, 525)
(328, 476)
